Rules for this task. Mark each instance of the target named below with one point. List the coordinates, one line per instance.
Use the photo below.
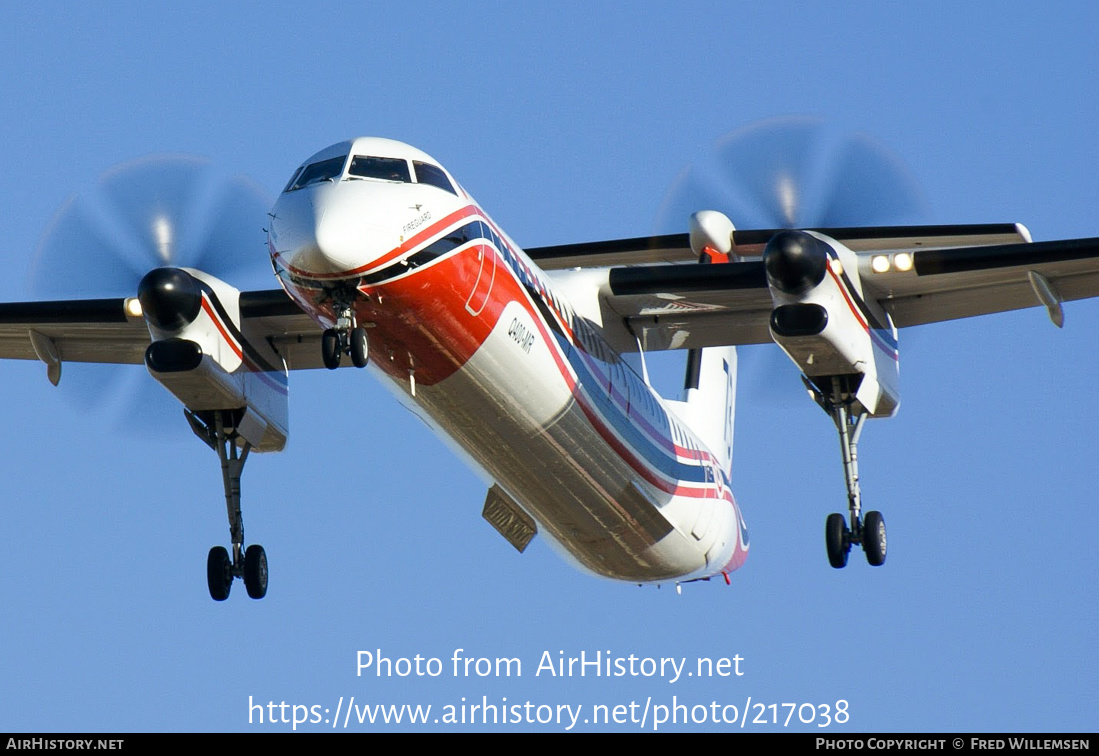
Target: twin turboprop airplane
(520, 357)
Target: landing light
(133, 307)
(879, 263)
(902, 261)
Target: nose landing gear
(346, 338)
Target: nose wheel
(346, 338)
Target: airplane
(532, 362)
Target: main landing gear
(346, 338)
(869, 531)
(217, 429)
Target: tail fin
(709, 399)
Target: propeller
(786, 173)
(794, 172)
(155, 211)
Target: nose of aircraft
(333, 229)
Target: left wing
(684, 305)
(945, 284)
(673, 248)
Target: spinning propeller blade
(161, 210)
(151, 212)
(792, 172)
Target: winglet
(47, 352)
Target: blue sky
(568, 122)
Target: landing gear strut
(346, 338)
(217, 429)
(869, 531)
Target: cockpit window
(426, 173)
(293, 178)
(325, 170)
(388, 169)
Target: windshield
(314, 173)
(389, 169)
(426, 173)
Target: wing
(945, 284)
(102, 330)
(676, 248)
(671, 302)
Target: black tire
(330, 348)
(255, 571)
(873, 538)
(360, 347)
(219, 573)
(835, 539)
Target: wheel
(255, 571)
(835, 538)
(219, 573)
(330, 348)
(360, 347)
(873, 538)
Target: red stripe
(603, 429)
(858, 316)
(221, 329)
(668, 444)
(405, 246)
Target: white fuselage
(465, 327)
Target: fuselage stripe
(405, 247)
(275, 377)
(663, 477)
(881, 337)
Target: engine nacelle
(823, 322)
(200, 353)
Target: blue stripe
(658, 458)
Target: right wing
(101, 330)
